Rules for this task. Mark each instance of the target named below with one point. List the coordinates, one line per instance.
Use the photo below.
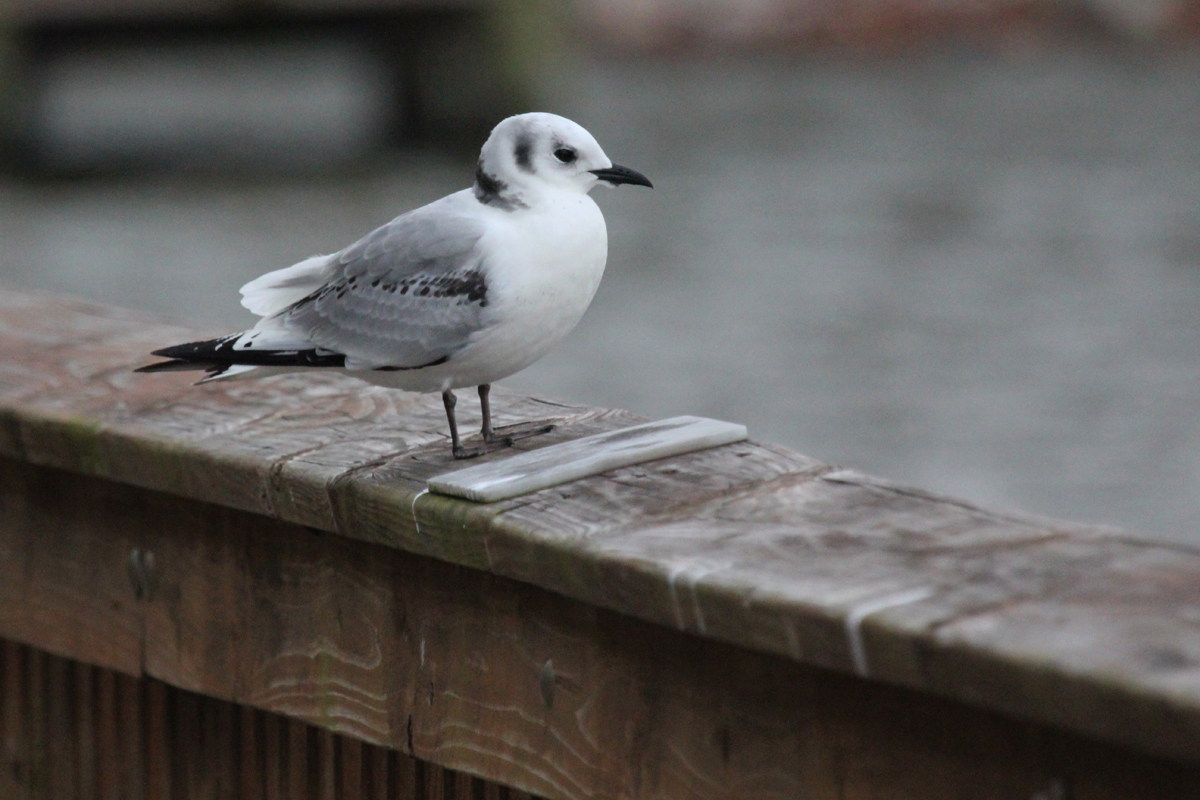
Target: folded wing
(407, 295)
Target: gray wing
(407, 295)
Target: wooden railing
(71, 730)
(733, 623)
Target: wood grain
(747, 546)
(63, 582)
(71, 731)
(485, 676)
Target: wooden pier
(244, 590)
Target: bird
(461, 292)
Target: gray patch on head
(523, 152)
(491, 191)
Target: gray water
(979, 275)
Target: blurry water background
(975, 273)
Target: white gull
(462, 292)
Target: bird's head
(537, 151)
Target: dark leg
(485, 406)
(492, 440)
(449, 401)
(520, 430)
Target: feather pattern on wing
(409, 294)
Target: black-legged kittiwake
(462, 292)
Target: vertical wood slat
(158, 742)
(274, 757)
(12, 719)
(129, 693)
(350, 763)
(250, 769)
(60, 752)
(326, 765)
(72, 731)
(221, 746)
(35, 730)
(187, 765)
(297, 760)
(85, 730)
(405, 777)
(107, 755)
(435, 782)
(376, 773)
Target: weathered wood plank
(63, 583)
(160, 742)
(488, 676)
(747, 545)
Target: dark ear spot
(523, 152)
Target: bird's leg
(492, 440)
(520, 430)
(449, 401)
(485, 407)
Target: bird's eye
(565, 154)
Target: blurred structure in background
(875, 24)
(114, 85)
(108, 85)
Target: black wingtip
(220, 353)
(174, 365)
(196, 351)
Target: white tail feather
(270, 334)
(275, 291)
(229, 373)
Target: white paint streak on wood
(854, 620)
(416, 522)
(570, 461)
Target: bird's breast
(542, 273)
(551, 263)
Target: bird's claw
(521, 430)
(500, 438)
(492, 446)
(474, 452)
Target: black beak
(616, 175)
